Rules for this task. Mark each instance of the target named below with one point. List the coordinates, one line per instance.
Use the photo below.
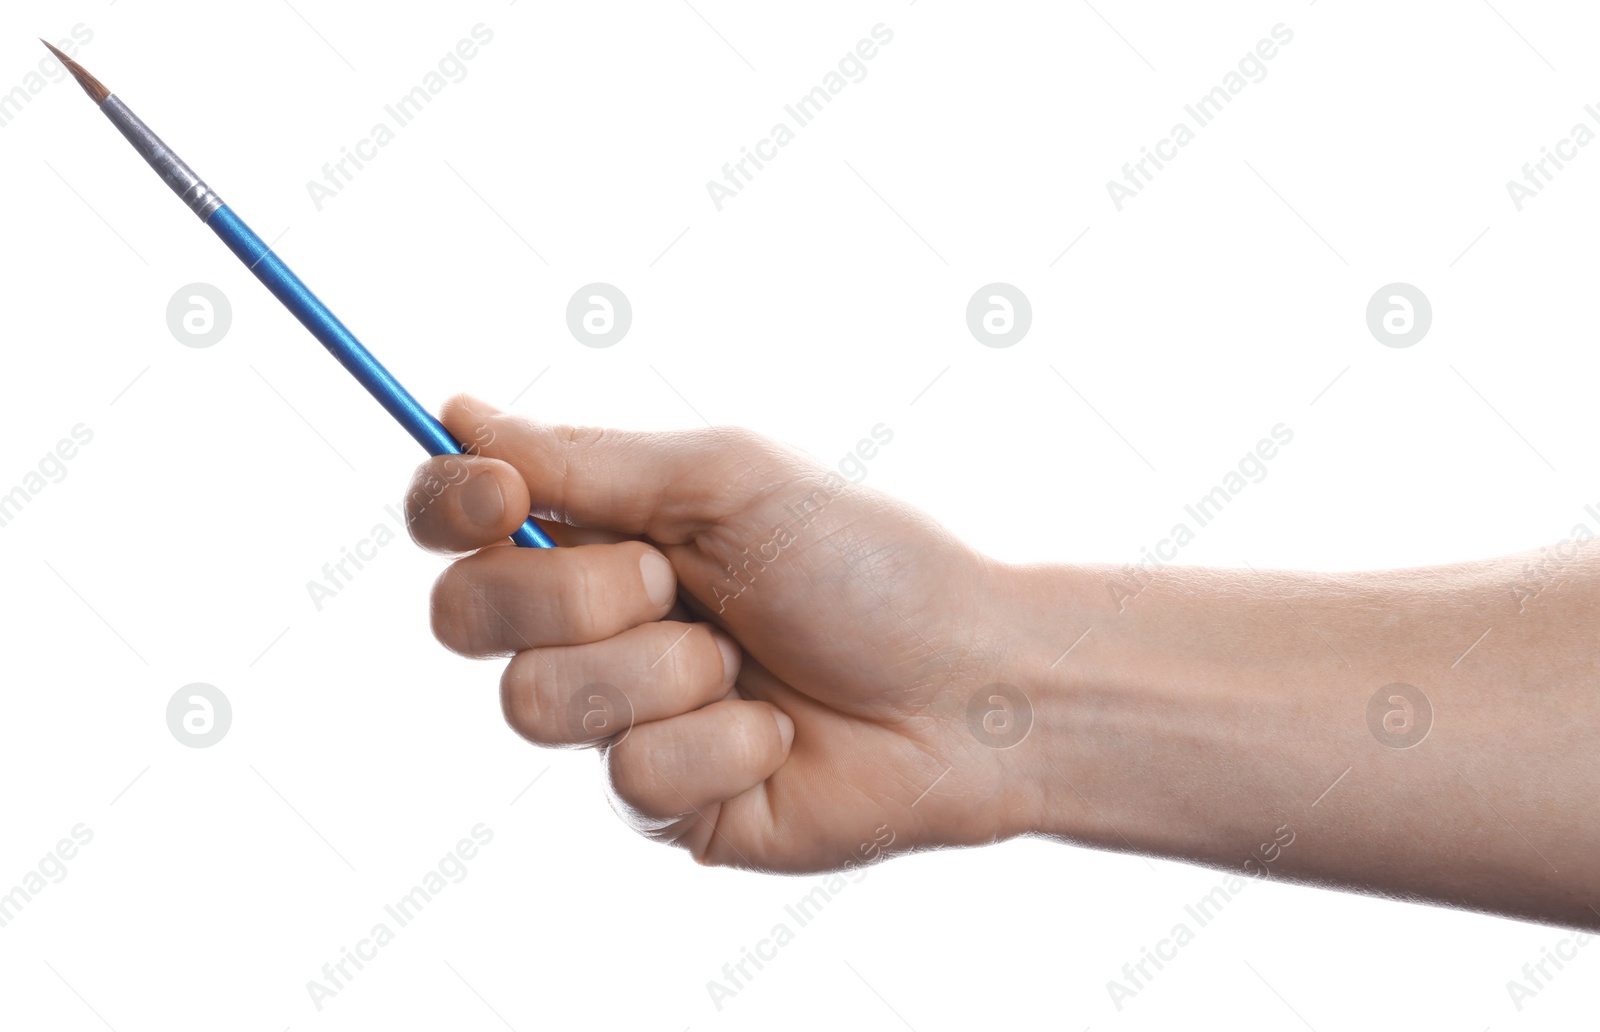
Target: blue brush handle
(326, 327)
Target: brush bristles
(90, 84)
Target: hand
(803, 707)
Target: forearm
(1205, 713)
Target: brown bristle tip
(92, 86)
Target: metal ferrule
(200, 198)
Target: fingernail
(730, 658)
(481, 499)
(785, 727)
(660, 582)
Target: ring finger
(577, 695)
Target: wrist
(1123, 722)
(1166, 718)
(1036, 721)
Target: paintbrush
(283, 283)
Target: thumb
(667, 485)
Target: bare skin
(787, 666)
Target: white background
(1227, 297)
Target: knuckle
(737, 436)
(634, 783)
(524, 697)
(461, 622)
(746, 740)
(572, 443)
(582, 437)
(740, 465)
(444, 606)
(687, 661)
(756, 448)
(581, 596)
